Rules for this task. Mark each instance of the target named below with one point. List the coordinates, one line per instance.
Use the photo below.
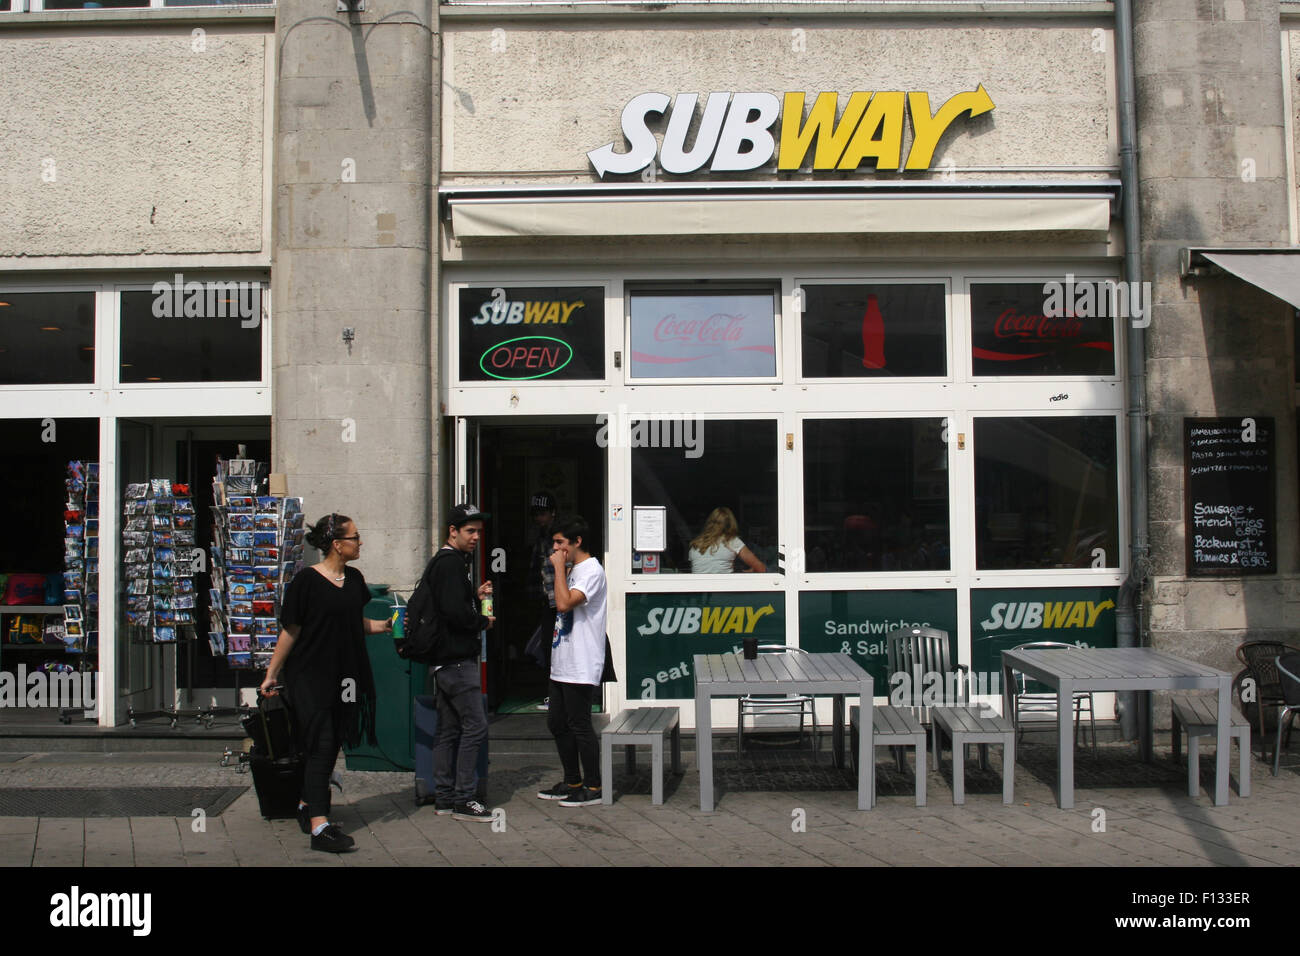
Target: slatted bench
(644, 725)
(1197, 717)
(972, 725)
(895, 727)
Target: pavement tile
(17, 849)
(108, 842)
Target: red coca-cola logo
(1016, 325)
(719, 327)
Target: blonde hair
(721, 526)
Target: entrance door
(515, 461)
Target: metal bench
(970, 725)
(895, 727)
(1196, 717)
(644, 725)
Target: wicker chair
(1260, 660)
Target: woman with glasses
(321, 655)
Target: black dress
(328, 671)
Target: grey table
(729, 675)
(1117, 669)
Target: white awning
(1277, 273)
(743, 215)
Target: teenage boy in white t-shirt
(577, 661)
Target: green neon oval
(524, 338)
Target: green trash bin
(397, 684)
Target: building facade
(853, 272)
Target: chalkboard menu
(1231, 500)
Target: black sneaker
(332, 840)
(561, 791)
(304, 821)
(583, 797)
(471, 810)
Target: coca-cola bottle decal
(873, 335)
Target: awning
(491, 218)
(1277, 273)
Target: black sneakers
(471, 810)
(582, 797)
(332, 840)
(442, 809)
(561, 791)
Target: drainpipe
(1128, 612)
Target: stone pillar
(353, 214)
(1212, 170)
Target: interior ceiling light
(153, 378)
(50, 328)
(87, 348)
(4, 303)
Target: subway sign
(522, 333)
(735, 134)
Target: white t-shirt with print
(578, 642)
(720, 559)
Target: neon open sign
(529, 356)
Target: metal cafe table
(729, 675)
(1119, 669)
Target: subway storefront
(880, 346)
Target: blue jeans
(462, 731)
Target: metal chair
(784, 704)
(1288, 670)
(1026, 701)
(923, 678)
(1260, 660)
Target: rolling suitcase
(278, 784)
(426, 733)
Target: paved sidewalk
(775, 811)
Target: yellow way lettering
(735, 620)
(568, 308)
(1054, 613)
(753, 614)
(880, 134)
(831, 137)
(1094, 610)
(712, 620)
(929, 129)
(1078, 612)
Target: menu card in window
(1231, 496)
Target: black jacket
(456, 605)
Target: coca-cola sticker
(1014, 332)
(710, 335)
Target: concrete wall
(531, 97)
(1212, 167)
(353, 177)
(125, 142)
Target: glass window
(714, 334)
(697, 470)
(207, 331)
(92, 4)
(1030, 328)
(525, 333)
(47, 338)
(874, 330)
(1046, 493)
(888, 515)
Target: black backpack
(422, 627)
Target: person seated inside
(716, 548)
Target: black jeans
(320, 747)
(462, 732)
(568, 718)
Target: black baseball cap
(542, 502)
(465, 513)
